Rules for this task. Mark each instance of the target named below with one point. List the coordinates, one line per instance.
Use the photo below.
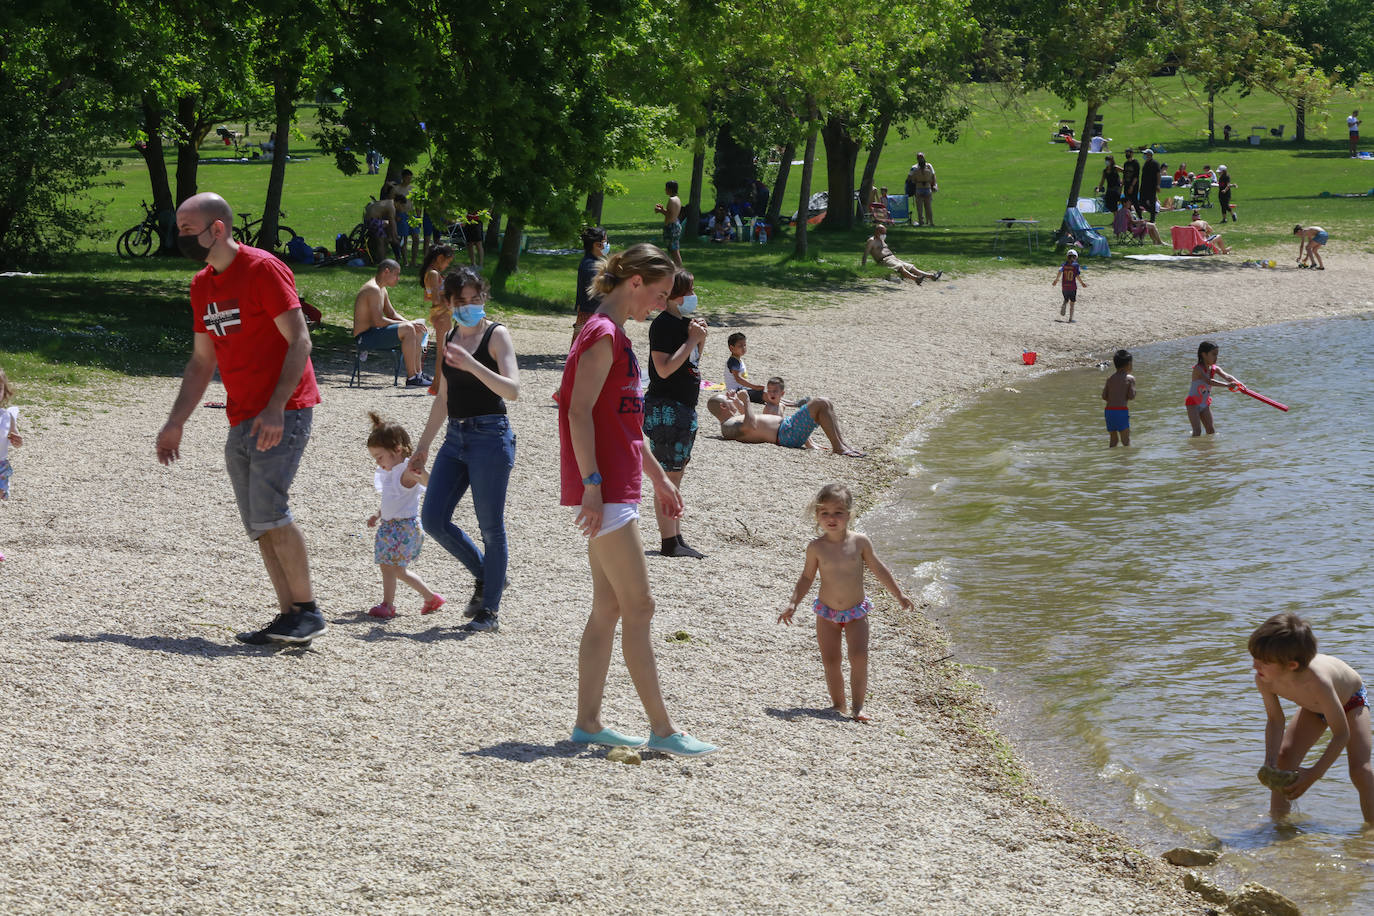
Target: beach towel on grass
(1086, 235)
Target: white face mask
(689, 304)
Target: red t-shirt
(618, 416)
(238, 309)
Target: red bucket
(1028, 357)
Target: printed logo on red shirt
(222, 320)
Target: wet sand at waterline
(149, 762)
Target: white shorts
(613, 516)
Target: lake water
(1113, 590)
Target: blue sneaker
(607, 737)
(681, 744)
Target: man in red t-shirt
(248, 324)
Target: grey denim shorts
(262, 480)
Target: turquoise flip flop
(681, 744)
(607, 737)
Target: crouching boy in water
(840, 556)
(738, 421)
(1329, 693)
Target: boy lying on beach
(739, 422)
(1329, 694)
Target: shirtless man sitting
(1214, 241)
(378, 326)
(877, 250)
(739, 422)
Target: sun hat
(1072, 253)
(1221, 168)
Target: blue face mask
(689, 304)
(469, 316)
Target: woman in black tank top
(479, 375)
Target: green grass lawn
(94, 313)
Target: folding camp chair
(1122, 233)
(1084, 235)
(1187, 240)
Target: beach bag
(300, 250)
(341, 244)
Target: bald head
(206, 207)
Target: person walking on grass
(248, 323)
(480, 374)
(603, 458)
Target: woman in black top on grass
(1110, 184)
(670, 404)
(479, 375)
(595, 247)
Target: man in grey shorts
(249, 325)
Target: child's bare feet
(861, 716)
(852, 453)
(840, 710)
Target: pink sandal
(433, 604)
(382, 611)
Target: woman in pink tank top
(1199, 399)
(603, 458)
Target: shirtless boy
(877, 250)
(1118, 393)
(672, 222)
(378, 326)
(1329, 694)
(739, 422)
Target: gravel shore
(149, 763)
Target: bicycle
(142, 240)
(245, 231)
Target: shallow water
(1113, 590)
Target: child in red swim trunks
(839, 556)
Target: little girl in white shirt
(398, 535)
(9, 435)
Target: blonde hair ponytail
(643, 260)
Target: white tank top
(397, 501)
(8, 417)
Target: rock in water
(1191, 857)
(1203, 888)
(1275, 778)
(624, 755)
(1258, 900)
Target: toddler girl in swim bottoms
(840, 556)
(399, 537)
(9, 435)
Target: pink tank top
(618, 416)
(1200, 390)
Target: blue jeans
(478, 452)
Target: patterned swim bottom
(842, 617)
(398, 541)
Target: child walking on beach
(1199, 399)
(1329, 694)
(1068, 277)
(9, 435)
(398, 535)
(1118, 392)
(840, 556)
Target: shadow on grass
(192, 645)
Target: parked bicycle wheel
(136, 242)
(357, 239)
(242, 236)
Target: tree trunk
(1300, 121)
(691, 214)
(875, 150)
(841, 155)
(188, 143)
(492, 238)
(1080, 164)
(780, 185)
(153, 156)
(595, 201)
(813, 127)
(1211, 117)
(283, 94)
(509, 261)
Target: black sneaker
(418, 381)
(485, 621)
(258, 637)
(297, 627)
(475, 602)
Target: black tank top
(467, 395)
